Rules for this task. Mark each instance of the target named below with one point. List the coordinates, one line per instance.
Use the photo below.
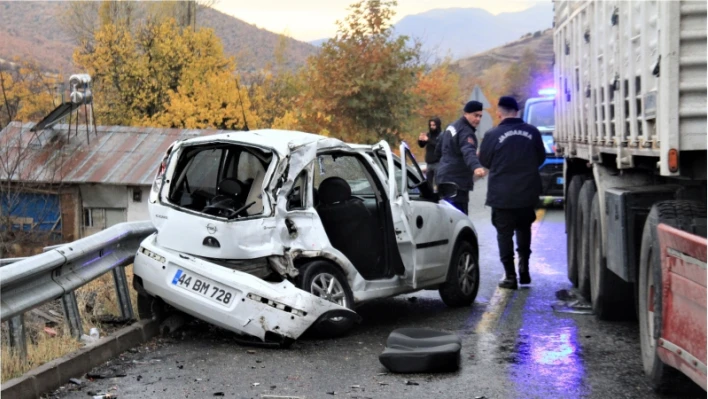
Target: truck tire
(681, 215)
(582, 217)
(612, 298)
(571, 230)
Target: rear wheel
(681, 215)
(582, 217)
(150, 307)
(572, 230)
(462, 284)
(612, 298)
(322, 279)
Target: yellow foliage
(164, 76)
(26, 93)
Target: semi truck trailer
(630, 124)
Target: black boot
(509, 280)
(524, 276)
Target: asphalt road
(515, 345)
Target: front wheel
(322, 279)
(460, 288)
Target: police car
(538, 112)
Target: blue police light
(547, 92)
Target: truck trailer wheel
(572, 231)
(681, 215)
(612, 298)
(582, 217)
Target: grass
(95, 299)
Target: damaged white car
(268, 233)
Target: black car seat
(350, 227)
(419, 350)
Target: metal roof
(113, 155)
(120, 155)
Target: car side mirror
(447, 190)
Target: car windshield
(220, 179)
(540, 114)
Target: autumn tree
(437, 93)
(27, 93)
(164, 75)
(27, 187)
(83, 19)
(358, 85)
(273, 92)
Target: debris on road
(410, 382)
(571, 302)
(75, 381)
(218, 394)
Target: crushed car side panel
(233, 300)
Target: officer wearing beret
(513, 152)
(457, 151)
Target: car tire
(681, 215)
(572, 230)
(612, 298)
(317, 275)
(582, 216)
(460, 288)
(150, 307)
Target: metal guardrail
(36, 280)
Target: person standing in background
(429, 141)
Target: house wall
(138, 210)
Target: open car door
(400, 213)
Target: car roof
(280, 141)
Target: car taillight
(157, 184)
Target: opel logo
(211, 228)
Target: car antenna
(245, 122)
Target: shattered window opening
(224, 180)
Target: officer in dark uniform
(513, 152)
(457, 151)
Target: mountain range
(462, 32)
(30, 30)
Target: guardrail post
(72, 315)
(123, 293)
(18, 341)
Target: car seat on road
(349, 225)
(420, 350)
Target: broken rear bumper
(233, 300)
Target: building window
(88, 217)
(137, 194)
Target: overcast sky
(316, 19)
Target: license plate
(559, 180)
(202, 287)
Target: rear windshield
(223, 180)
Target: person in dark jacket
(429, 141)
(457, 151)
(513, 152)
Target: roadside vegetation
(48, 341)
